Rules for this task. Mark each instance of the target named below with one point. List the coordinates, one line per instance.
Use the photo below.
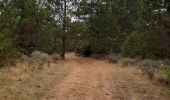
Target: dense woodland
(133, 28)
(84, 49)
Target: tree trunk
(63, 47)
(64, 29)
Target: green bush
(88, 46)
(166, 74)
(7, 50)
(100, 46)
(82, 47)
(165, 77)
(137, 45)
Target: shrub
(36, 54)
(7, 48)
(82, 47)
(91, 45)
(164, 77)
(129, 61)
(149, 66)
(100, 46)
(148, 63)
(45, 56)
(152, 43)
(41, 56)
(55, 56)
(24, 58)
(153, 68)
(113, 58)
(137, 45)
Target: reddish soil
(92, 79)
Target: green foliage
(166, 74)
(36, 29)
(7, 49)
(99, 46)
(112, 24)
(165, 79)
(102, 26)
(151, 43)
(26, 24)
(137, 45)
(82, 47)
(78, 27)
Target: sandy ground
(91, 79)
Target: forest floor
(79, 78)
(92, 79)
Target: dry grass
(78, 78)
(24, 82)
(157, 70)
(92, 79)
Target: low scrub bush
(36, 54)
(44, 57)
(55, 56)
(41, 56)
(113, 58)
(129, 61)
(24, 58)
(149, 66)
(166, 76)
(163, 77)
(156, 69)
(148, 63)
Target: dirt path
(92, 79)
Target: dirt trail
(92, 79)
